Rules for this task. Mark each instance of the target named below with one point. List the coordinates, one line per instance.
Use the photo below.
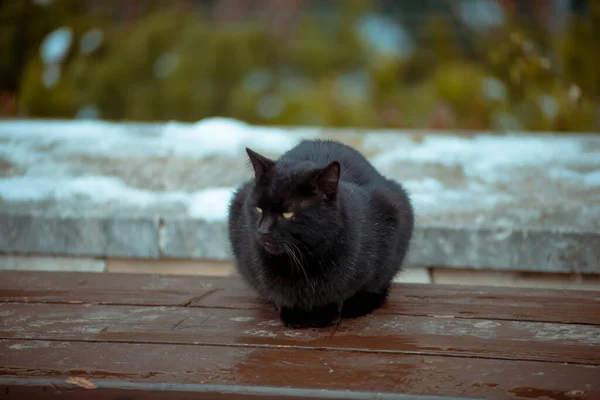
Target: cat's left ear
(260, 164)
(328, 178)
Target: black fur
(347, 238)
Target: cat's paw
(318, 317)
(295, 318)
(326, 316)
(363, 303)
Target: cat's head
(293, 205)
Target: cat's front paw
(295, 317)
(318, 317)
(326, 316)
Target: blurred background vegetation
(439, 64)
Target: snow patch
(429, 195)
(44, 150)
(486, 158)
(212, 136)
(590, 179)
(229, 136)
(210, 204)
(39, 146)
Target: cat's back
(355, 167)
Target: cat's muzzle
(270, 245)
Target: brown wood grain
(518, 304)
(136, 336)
(80, 287)
(285, 369)
(515, 340)
(564, 306)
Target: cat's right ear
(260, 164)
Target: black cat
(319, 232)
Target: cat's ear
(327, 179)
(260, 164)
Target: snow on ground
(213, 136)
(208, 204)
(431, 196)
(489, 164)
(486, 158)
(27, 143)
(41, 151)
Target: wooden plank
(515, 340)
(514, 279)
(565, 306)
(287, 370)
(542, 305)
(74, 287)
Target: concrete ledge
(456, 247)
(188, 238)
(522, 249)
(89, 236)
(521, 201)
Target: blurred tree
(432, 63)
(23, 25)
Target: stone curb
(541, 250)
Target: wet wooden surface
(104, 336)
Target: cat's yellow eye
(258, 210)
(287, 215)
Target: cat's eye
(258, 210)
(287, 215)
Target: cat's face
(293, 206)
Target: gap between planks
(193, 303)
(382, 312)
(439, 301)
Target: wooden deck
(105, 336)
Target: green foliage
(172, 65)
(578, 50)
(23, 25)
(37, 100)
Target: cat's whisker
(292, 252)
(289, 249)
(299, 252)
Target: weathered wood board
(102, 336)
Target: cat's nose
(263, 231)
(265, 236)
